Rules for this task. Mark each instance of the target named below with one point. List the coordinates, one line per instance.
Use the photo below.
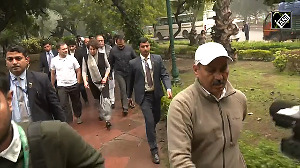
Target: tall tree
(100, 18)
(134, 17)
(69, 12)
(248, 8)
(223, 28)
(13, 11)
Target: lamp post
(175, 72)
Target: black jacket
(137, 78)
(43, 101)
(44, 63)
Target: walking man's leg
(123, 94)
(83, 93)
(112, 90)
(150, 123)
(65, 104)
(74, 92)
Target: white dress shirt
(147, 88)
(16, 115)
(65, 70)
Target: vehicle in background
(161, 29)
(208, 19)
(283, 34)
(148, 30)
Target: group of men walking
(72, 69)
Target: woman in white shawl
(95, 71)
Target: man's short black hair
(120, 37)
(61, 43)
(18, 49)
(71, 42)
(143, 40)
(45, 42)
(4, 85)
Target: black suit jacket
(137, 78)
(79, 54)
(44, 63)
(43, 101)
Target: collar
(227, 91)
(22, 76)
(101, 50)
(60, 58)
(218, 99)
(12, 152)
(143, 58)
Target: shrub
(33, 45)
(293, 63)
(289, 59)
(280, 61)
(255, 55)
(165, 102)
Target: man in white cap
(205, 119)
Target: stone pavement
(125, 145)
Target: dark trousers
(247, 36)
(123, 84)
(74, 93)
(151, 111)
(83, 92)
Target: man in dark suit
(45, 58)
(147, 72)
(34, 98)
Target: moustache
(218, 82)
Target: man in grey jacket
(205, 119)
(119, 58)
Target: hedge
(265, 45)
(255, 55)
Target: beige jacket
(203, 132)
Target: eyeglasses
(10, 59)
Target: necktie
(148, 74)
(49, 59)
(21, 102)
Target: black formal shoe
(113, 106)
(125, 112)
(108, 125)
(155, 158)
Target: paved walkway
(125, 145)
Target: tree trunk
(223, 28)
(193, 33)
